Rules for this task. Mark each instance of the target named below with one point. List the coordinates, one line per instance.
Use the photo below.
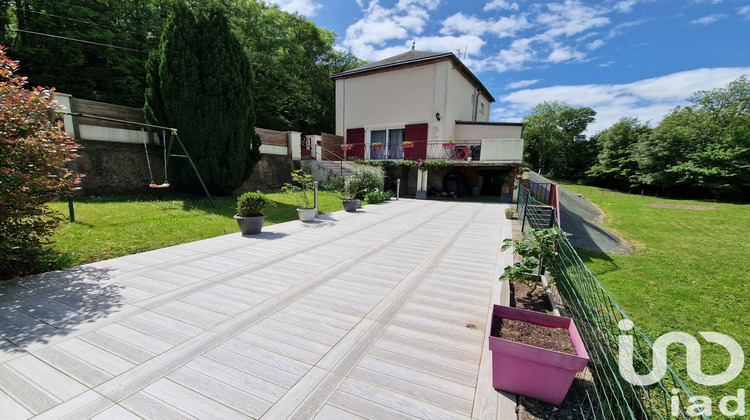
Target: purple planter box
(532, 371)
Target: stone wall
(272, 171)
(117, 168)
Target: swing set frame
(166, 146)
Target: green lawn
(109, 227)
(690, 272)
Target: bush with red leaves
(33, 151)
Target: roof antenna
(413, 44)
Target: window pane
(396, 136)
(377, 136)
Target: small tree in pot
(250, 208)
(301, 191)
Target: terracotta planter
(307, 215)
(449, 145)
(408, 146)
(250, 225)
(533, 371)
(378, 146)
(346, 147)
(350, 205)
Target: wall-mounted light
(437, 116)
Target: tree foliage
(200, 82)
(705, 145)
(291, 57)
(33, 151)
(86, 70)
(616, 165)
(292, 60)
(554, 139)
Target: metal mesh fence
(597, 316)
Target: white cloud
(744, 11)
(521, 84)
(571, 18)
(368, 38)
(595, 45)
(500, 5)
(469, 43)
(648, 99)
(502, 27)
(707, 20)
(562, 54)
(304, 7)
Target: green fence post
(525, 210)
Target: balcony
(488, 150)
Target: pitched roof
(413, 57)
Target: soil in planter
(549, 338)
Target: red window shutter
(416, 133)
(356, 137)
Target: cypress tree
(200, 83)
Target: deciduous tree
(555, 141)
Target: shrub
(364, 179)
(376, 196)
(300, 189)
(252, 204)
(33, 151)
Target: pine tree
(199, 83)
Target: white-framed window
(391, 138)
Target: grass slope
(109, 227)
(689, 272)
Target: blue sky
(638, 58)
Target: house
(411, 106)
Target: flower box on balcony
(449, 144)
(407, 145)
(346, 147)
(377, 145)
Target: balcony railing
(494, 150)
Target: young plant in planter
(346, 147)
(250, 208)
(407, 144)
(301, 190)
(510, 213)
(449, 143)
(531, 368)
(377, 145)
(349, 194)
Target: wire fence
(598, 319)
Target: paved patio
(379, 314)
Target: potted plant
(250, 208)
(533, 368)
(346, 146)
(408, 144)
(377, 145)
(510, 213)
(349, 200)
(301, 191)
(449, 143)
